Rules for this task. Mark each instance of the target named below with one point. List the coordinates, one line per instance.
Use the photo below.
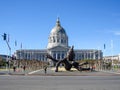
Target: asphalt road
(59, 82)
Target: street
(14, 82)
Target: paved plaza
(62, 80)
(62, 72)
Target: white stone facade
(109, 58)
(58, 48)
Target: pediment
(60, 48)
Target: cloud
(117, 33)
(114, 31)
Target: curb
(110, 72)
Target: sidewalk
(18, 71)
(111, 71)
(61, 72)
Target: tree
(2, 62)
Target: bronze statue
(67, 61)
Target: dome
(58, 36)
(58, 29)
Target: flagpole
(21, 51)
(104, 55)
(15, 59)
(20, 56)
(112, 54)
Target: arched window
(53, 39)
(61, 40)
(58, 40)
(64, 41)
(50, 40)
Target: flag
(15, 43)
(104, 46)
(21, 46)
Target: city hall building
(58, 47)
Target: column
(60, 55)
(93, 54)
(84, 55)
(56, 55)
(87, 55)
(98, 55)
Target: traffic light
(4, 36)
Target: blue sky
(89, 24)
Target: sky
(89, 24)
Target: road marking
(33, 72)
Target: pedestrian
(14, 68)
(45, 69)
(24, 68)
